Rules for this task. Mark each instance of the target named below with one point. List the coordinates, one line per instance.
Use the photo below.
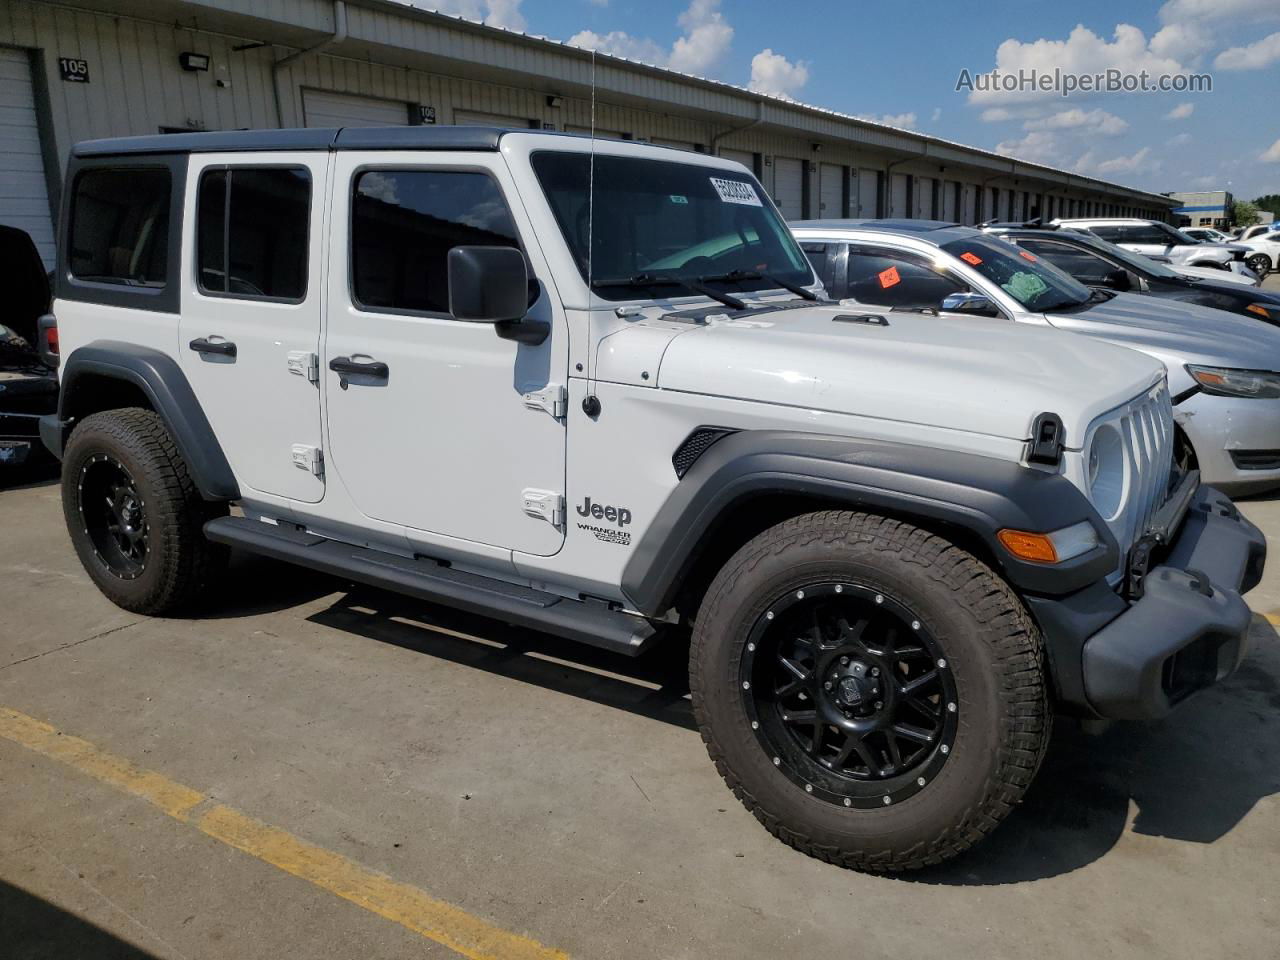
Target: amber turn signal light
(1036, 547)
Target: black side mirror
(488, 284)
(1117, 280)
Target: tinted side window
(252, 232)
(120, 226)
(405, 222)
(1081, 264)
(893, 279)
(1113, 234)
(1148, 234)
(817, 254)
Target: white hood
(957, 372)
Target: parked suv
(1097, 263)
(593, 388)
(1223, 370)
(1153, 238)
(28, 385)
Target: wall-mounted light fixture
(193, 62)
(554, 101)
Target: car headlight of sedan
(1223, 382)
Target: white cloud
(936, 115)
(706, 39)
(1253, 57)
(1179, 139)
(1179, 11)
(496, 13)
(621, 44)
(1038, 146)
(1092, 121)
(1271, 154)
(1182, 41)
(903, 121)
(996, 115)
(699, 49)
(1140, 161)
(1082, 52)
(1181, 111)
(774, 74)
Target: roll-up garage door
(743, 157)
(948, 211)
(924, 198)
(788, 187)
(899, 197)
(321, 108)
(475, 118)
(830, 190)
(868, 184)
(24, 192)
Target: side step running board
(585, 622)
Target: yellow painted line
(1272, 618)
(401, 903)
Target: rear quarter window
(120, 226)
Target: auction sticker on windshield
(735, 191)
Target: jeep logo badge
(619, 515)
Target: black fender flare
(979, 494)
(168, 391)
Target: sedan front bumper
(1236, 441)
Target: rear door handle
(223, 348)
(366, 368)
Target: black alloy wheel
(114, 517)
(849, 694)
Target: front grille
(1146, 426)
(1256, 459)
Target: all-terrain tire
(176, 562)
(1003, 720)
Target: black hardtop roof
(427, 137)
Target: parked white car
(1264, 246)
(1244, 277)
(1223, 369)
(1157, 239)
(593, 388)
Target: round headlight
(1106, 471)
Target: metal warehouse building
(98, 68)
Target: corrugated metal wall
(137, 87)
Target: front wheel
(871, 692)
(1259, 263)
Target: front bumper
(1136, 661)
(1236, 440)
(24, 399)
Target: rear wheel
(872, 693)
(1259, 263)
(134, 514)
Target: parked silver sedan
(1224, 370)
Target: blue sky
(899, 63)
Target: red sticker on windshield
(889, 277)
(971, 258)
(1027, 256)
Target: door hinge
(304, 363)
(544, 505)
(308, 458)
(553, 398)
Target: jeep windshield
(1034, 283)
(664, 226)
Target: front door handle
(366, 368)
(224, 348)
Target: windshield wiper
(669, 280)
(733, 275)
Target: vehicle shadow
(654, 685)
(33, 927)
(253, 585)
(1192, 777)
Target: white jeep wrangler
(594, 388)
